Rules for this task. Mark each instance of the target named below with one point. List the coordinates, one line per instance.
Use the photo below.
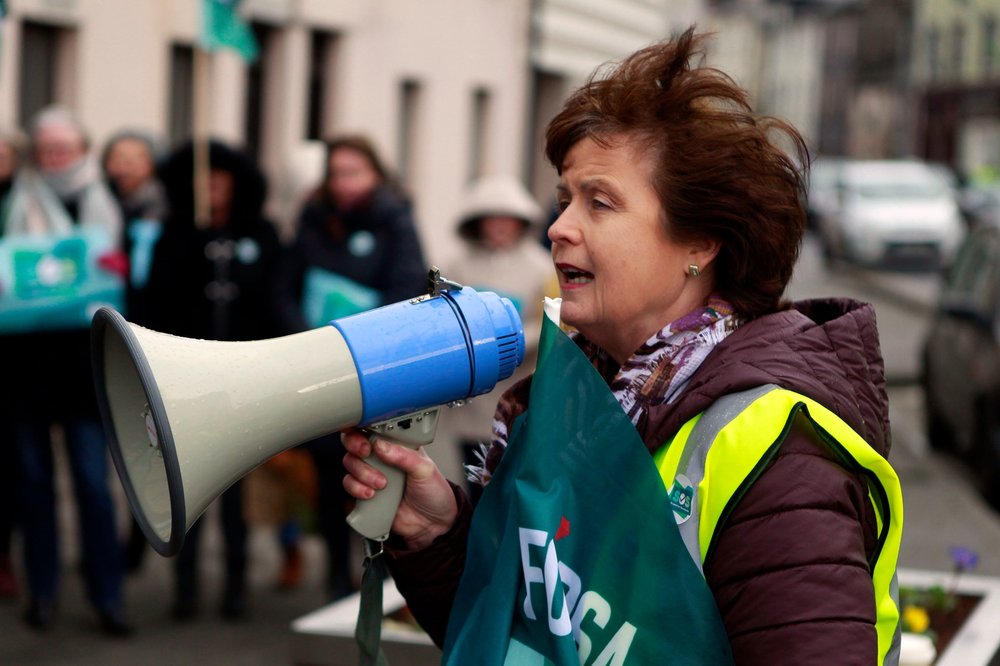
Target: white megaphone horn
(187, 418)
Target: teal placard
(327, 296)
(58, 282)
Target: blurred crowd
(194, 254)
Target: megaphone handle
(372, 518)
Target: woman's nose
(564, 230)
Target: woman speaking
(736, 504)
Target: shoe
(113, 624)
(291, 570)
(184, 609)
(8, 583)
(133, 554)
(234, 606)
(40, 615)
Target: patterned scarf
(657, 373)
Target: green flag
(574, 555)
(223, 28)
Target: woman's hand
(428, 508)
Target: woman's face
(500, 232)
(58, 147)
(129, 164)
(352, 177)
(621, 276)
(221, 187)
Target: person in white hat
(499, 222)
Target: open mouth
(573, 275)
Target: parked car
(960, 369)
(980, 203)
(821, 201)
(893, 213)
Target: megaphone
(187, 418)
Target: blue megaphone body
(450, 346)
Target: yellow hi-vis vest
(716, 456)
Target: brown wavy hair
(720, 173)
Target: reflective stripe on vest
(717, 455)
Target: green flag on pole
(574, 554)
(223, 28)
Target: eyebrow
(590, 184)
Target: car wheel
(939, 434)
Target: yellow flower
(916, 619)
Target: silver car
(893, 213)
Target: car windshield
(902, 190)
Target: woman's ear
(703, 252)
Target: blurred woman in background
(356, 247)
(129, 165)
(59, 194)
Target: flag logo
(563, 530)
(682, 498)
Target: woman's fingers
(356, 442)
(361, 476)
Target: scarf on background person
(36, 205)
(657, 373)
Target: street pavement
(264, 637)
(941, 512)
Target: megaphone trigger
(372, 518)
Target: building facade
(440, 86)
(956, 77)
(447, 89)
(570, 39)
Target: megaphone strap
(368, 632)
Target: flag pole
(201, 121)
(221, 27)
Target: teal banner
(222, 27)
(574, 556)
(58, 282)
(327, 296)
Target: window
(934, 54)
(257, 72)
(957, 48)
(989, 43)
(409, 119)
(322, 54)
(181, 97)
(479, 134)
(547, 94)
(41, 77)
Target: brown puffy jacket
(790, 570)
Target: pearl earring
(693, 270)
